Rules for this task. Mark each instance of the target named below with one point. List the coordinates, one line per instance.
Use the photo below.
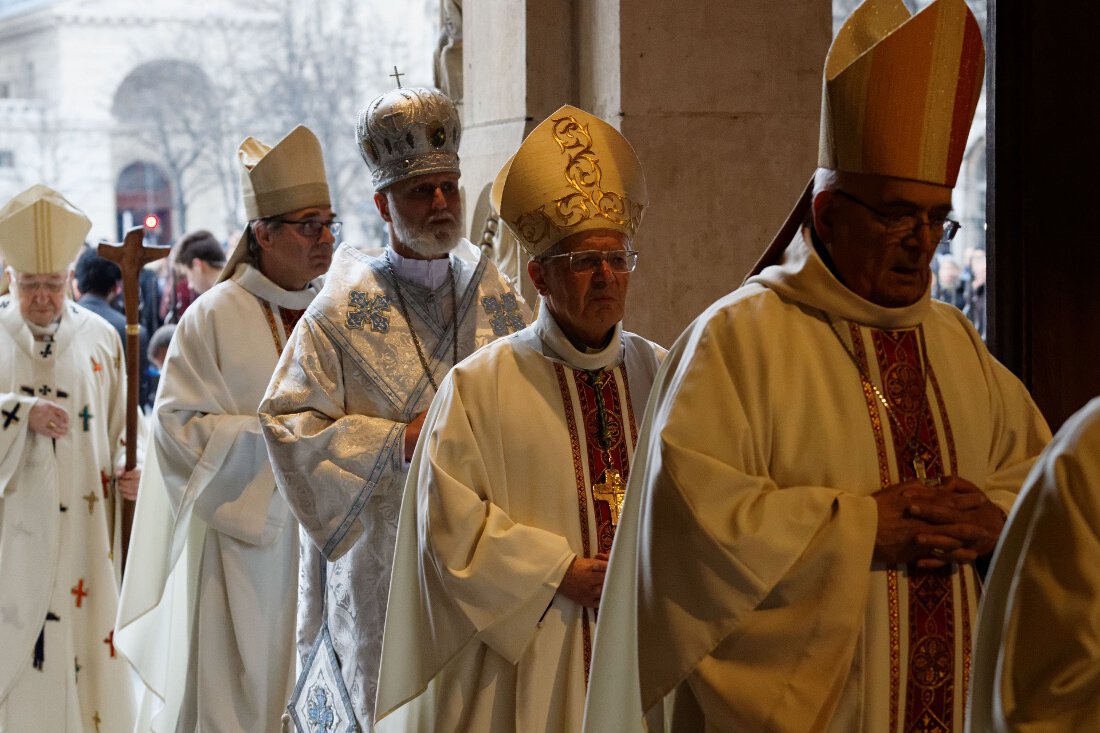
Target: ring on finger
(938, 552)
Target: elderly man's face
(425, 213)
(887, 269)
(41, 297)
(586, 305)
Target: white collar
(429, 274)
(555, 340)
(255, 282)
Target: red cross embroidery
(110, 641)
(79, 592)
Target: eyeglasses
(589, 260)
(49, 286)
(312, 227)
(941, 229)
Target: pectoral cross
(611, 489)
(919, 469)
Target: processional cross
(397, 76)
(131, 255)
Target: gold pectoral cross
(611, 489)
(919, 468)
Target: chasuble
(209, 601)
(59, 516)
(1036, 667)
(742, 590)
(512, 479)
(351, 379)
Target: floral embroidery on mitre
(363, 307)
(588, 199)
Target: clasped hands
(933, 526)
(52, 420)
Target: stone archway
(166, 116)
(143, 189)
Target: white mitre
(41, 231)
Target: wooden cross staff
(130, 256)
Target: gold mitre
(41, 231)
(275, 179)
(899, 91)
(573, 173)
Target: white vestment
(209, 599)
(59, 551)
(1037, 658)
(499, 501)
(741, 585)
(335, 416)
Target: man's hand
(49, 419)
(959, 502)
(412, 433)
(127, 482)
(583, 581)
(934, 525)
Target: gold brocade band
(133, 329)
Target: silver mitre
(408, 132)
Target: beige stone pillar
(720, 99)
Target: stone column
(721, 101)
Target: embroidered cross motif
(96, 366)
(11, 416)
(91, 498)
(110, 641)
(46, 350)
(4, 304)
(503, 313)
(97, 720)
(86, 415)
(362, 307)
(79, 592)
(76, 666)
(321, 715)
(44, 390)
(105, 481)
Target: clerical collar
(429, 274)
(555, 341)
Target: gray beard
(424, 241)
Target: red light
(151, 221)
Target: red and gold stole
(931, 690)
(289, 320)
(603, 434)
